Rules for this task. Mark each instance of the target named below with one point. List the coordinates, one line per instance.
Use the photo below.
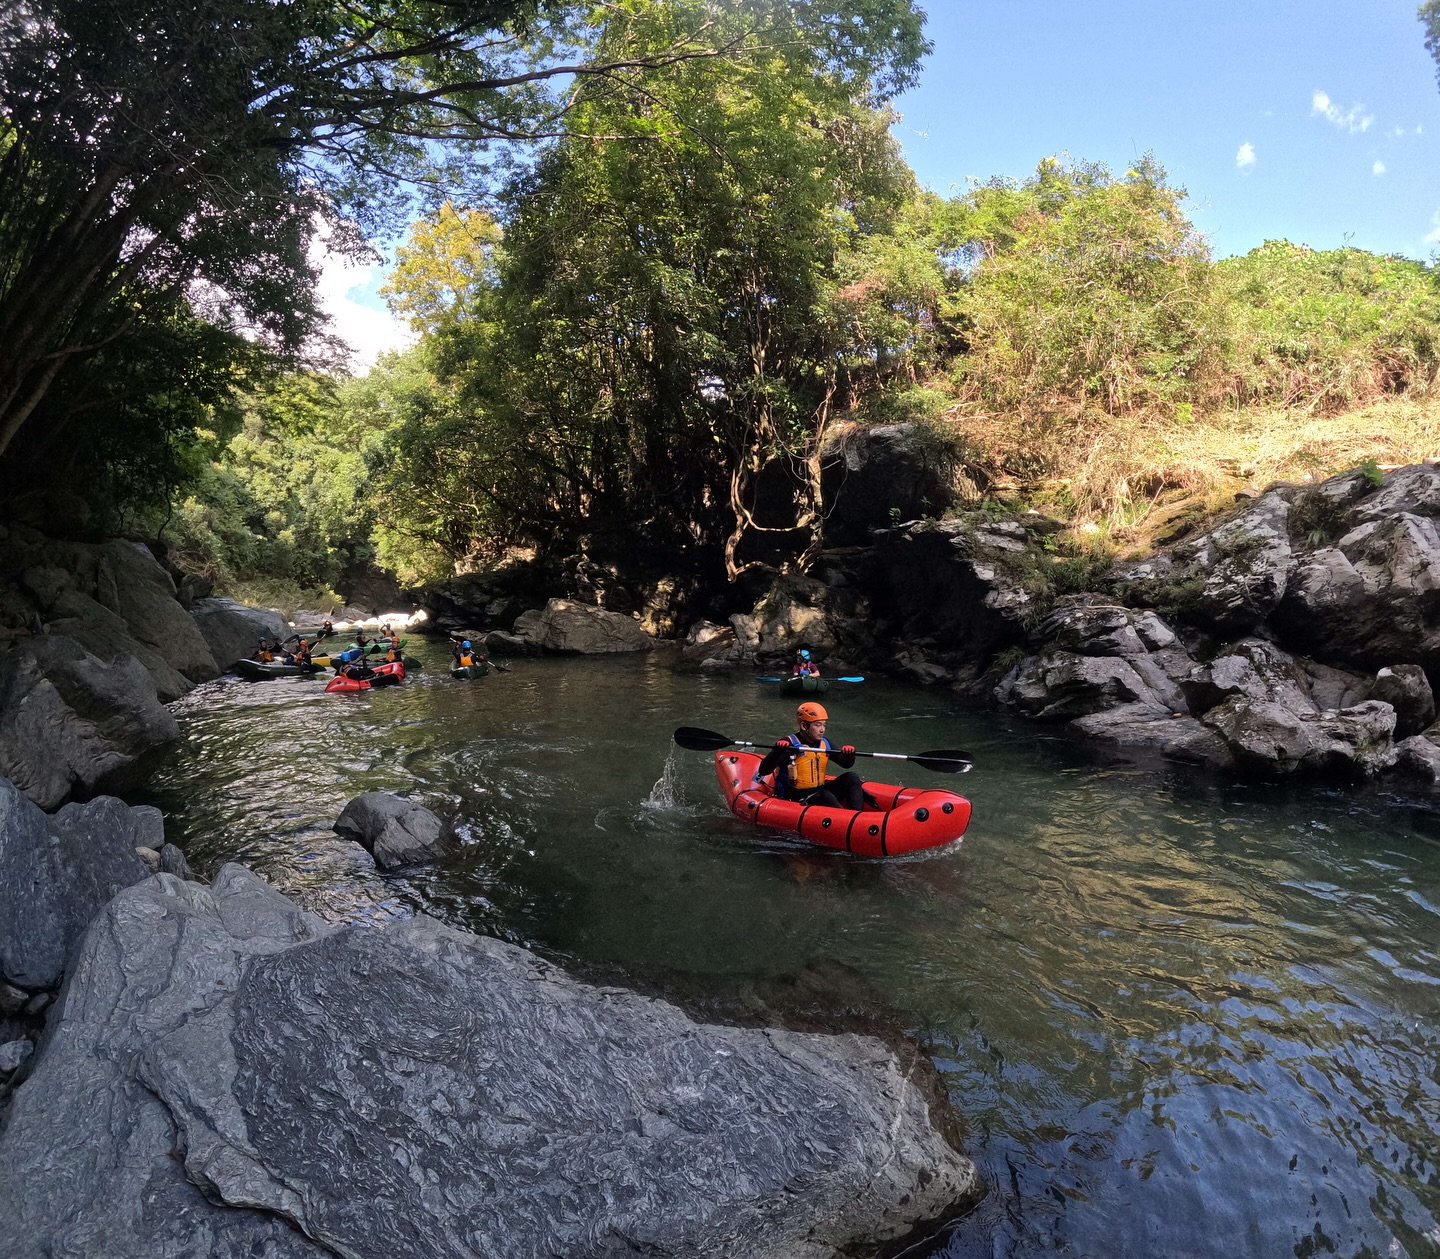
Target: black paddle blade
(944, 762)
(697, 740)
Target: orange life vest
(807, 770)
(466, 660)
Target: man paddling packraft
(301, 654)
(799, 763)
(464, 654)
(263, 652)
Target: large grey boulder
(67, 718)
(131, 583)
(56, 873)
(232, 630)
(569, 628)
(1414, 489)
(795, 612)
(1252, 668)
(113, 597)
(1273, 739)
(1058, 685)
(1407, 690)
(1418, 759)
(395, 831)
(957, 591)
(1373, 598)
(874, 475)
(418, 1091)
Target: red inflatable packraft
(909, 819)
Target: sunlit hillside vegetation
(698, 266)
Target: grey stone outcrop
(227, 1076)
(1270, 737)
(1234, 576)
(1372, 598)
(395, 831)
(1407, 690)
(568, 628)
(67, 718)
(232, 630)
(56, 873)
(874, 475)
(113, 597)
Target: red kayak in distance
(391, 674)
(909, 819)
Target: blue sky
(1337, 103)
(1012, 81)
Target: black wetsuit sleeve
(776, 758)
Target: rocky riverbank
(225, 1074)
(1300, 634)
(95, 639)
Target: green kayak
(804, 686)
(471, 671)
(258, 669)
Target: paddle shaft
(942, 762)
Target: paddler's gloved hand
(847, 750)
(785, 746)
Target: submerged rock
(418, 1091)
(395, 831)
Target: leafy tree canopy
(154, 155)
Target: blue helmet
(804, 655)
(466, 643)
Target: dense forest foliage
(658, 254)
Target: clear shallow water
(1180, 1018)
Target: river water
(1180, 1018)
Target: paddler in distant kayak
(464, 655)
(799, 763)
(263, 652)
(804, 667)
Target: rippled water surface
(1180, 1018)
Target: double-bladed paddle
(943, 762)
(791, 679)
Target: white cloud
(1245, 158)
(1378, 168)
(1434, 237)
(1353, 120)
(368, 329)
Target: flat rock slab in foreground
(418, 1091)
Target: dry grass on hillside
(1129, 484)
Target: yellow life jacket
(265, 656)
(807, 770)
(466, 660)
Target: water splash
(667, 792)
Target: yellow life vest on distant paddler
(806, 770)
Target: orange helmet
(811, 712)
